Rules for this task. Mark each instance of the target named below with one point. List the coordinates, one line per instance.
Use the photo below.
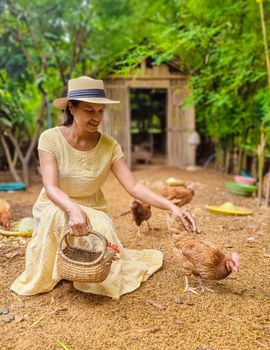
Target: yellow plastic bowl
(171, 181)
(228, 208)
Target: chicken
(114, 247)
(179, 195)
(5, 215)
(140, 212)
(199, 258)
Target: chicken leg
(203, 288)
(188, 288)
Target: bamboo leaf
(62, 345)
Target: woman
(75, 160)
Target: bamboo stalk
(240, 159)
(254, 166)
(260, 152)
(235, 161)
(227, 158)
(244, 161)
(262, 144)
(265, 39)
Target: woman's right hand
(186, 218)
(78, 223)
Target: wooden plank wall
(116, 121)
(181, 122)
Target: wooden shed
(180, 121)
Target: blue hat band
(86, 93)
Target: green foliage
(218, 44)
(11, 108)
(17, 106)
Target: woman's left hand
(187, 219)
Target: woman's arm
(141, 192)
(79, 223)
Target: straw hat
(84, 89)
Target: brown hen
(5, 215)
(179, 195)
(140, 212)
(199, 258)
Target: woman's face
(87, 115)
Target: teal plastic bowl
(12, 186)
(240, 189)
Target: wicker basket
(81, 265)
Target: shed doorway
(148, 124)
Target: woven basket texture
(73, 264)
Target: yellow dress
(81, 175)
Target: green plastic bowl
(240, 189)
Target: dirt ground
(157, 315)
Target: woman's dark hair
(67, 116)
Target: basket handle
(99, 235)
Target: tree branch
(16, 145)
(9, 160)
(29, 59)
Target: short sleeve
(45, 143)
(117, 152)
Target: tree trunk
(266, 185)
(260, 151)
(227, 160)
(235, 161)
(240, 160)
(11, 166)
(261, 146)
(26, 159)
(15, 158)
(25, 173)
(219, 156)
(244, 161)
(254, 167)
